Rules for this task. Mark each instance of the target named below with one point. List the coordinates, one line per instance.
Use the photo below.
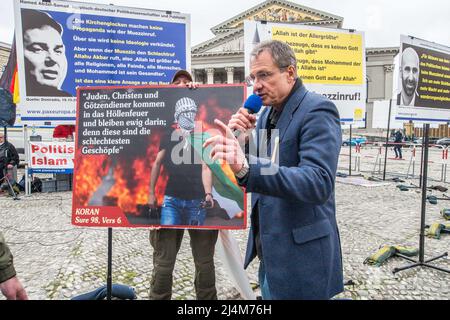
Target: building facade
(5, 49)
(379, 77)
(221, 59)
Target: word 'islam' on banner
(50, 156)
(140, 161)
(330, 62)
(63, 45)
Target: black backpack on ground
(36, 184)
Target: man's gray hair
(282, 54)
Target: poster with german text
(422, 81)
(140, 161)
(330, 62)
(62, 45)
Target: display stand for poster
(109, 271)
(387, 140)
(350, 153)
(422, 262)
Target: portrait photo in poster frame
(140, 159)
(421, 93)
(422, 77)
(62, 45)
(44, 56)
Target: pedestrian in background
(398, 139)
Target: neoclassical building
(221, 59)
(379, 77)
(4, 55)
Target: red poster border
(116, 211)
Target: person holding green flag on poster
(189, 191)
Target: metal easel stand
(422, 262)
(11, 190)
(109, 271)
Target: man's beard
(409, 87)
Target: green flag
(229, 196)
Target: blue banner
(65, 45)
(106, 51)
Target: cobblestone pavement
(56, 260)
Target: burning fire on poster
(131, 178)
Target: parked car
(443, 142)
(354, 141)
(431, 141)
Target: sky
(383, 21)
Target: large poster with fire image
(140, 159)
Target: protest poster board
(63, 45)
(422, 78)
(330, 62)
(51, 156)
(124, 136)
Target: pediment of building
(229, 34)
(229, 42)
(278, 11)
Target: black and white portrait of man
(44, 54)
(409, 76)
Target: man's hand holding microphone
(242, 123)
(227, 146)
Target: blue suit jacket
(299, 235)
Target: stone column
(388, 81)
(210, 73)
(230, 74)
(194, 77)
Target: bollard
(412, 162)
(377, 161)
(444, 164)
(357, 158)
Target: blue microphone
(253, 104)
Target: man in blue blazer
(293, 224)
